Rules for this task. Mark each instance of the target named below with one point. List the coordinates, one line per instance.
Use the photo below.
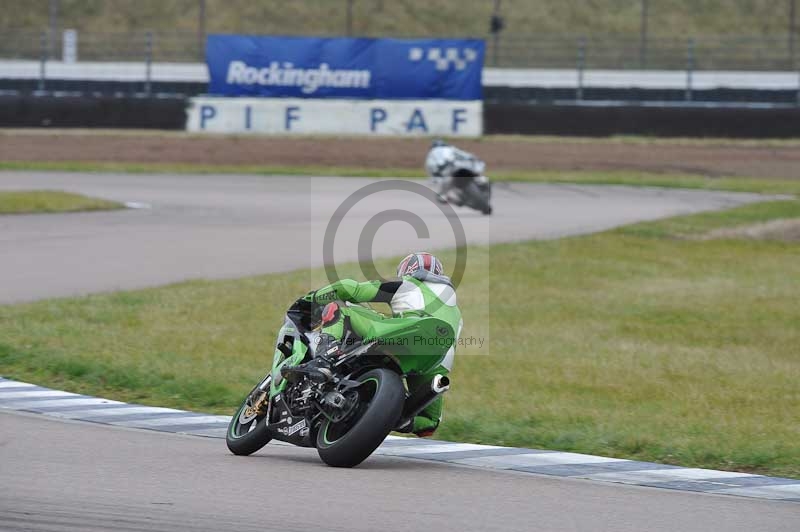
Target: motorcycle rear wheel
(351, 441)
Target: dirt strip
(709, 158)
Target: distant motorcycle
(458, 176)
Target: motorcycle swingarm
(290, 429)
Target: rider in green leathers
(421, 289)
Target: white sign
(298, 116)
(69, 46)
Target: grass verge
(50, 201)
(640, 343)
(737, 184)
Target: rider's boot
(425, 423)
(455, 196)
(421, 426)
(317, 369)
(424, 427)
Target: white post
(69, 47)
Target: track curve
(210, 226)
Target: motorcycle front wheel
(247, 431)
(479, 197)
(380, 402)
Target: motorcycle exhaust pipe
(439, 385)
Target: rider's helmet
(438, 143)
(420, 261)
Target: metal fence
(127, 62)
(506, 51)
(705, 53)
(137, 46)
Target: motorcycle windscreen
(287, 343)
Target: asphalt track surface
(59, 475)
(232, 226)
(66, 476)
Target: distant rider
(443, 162)
(421, 289)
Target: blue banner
(308, 67)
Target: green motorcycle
(345, 412)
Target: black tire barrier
(662, 121)
(90, 87)
(93, 112)
(139, 112)
(632, 95)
